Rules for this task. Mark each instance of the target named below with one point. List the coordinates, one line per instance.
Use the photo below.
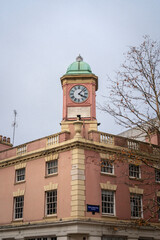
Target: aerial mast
(14, 124)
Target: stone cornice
(71, 144)
(79, 78)
(122, 224)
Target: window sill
(158, 182)
(108, 174)
(51, 175)
(137, 179)
(50, 216)
(108, 215)
(19, 182)
(20, 220)
(136, 218)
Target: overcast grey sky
(39, 39)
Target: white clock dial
(78, 93)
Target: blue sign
(93, 208)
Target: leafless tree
(134, 102)
(134, 99)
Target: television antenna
(14, 125)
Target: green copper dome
(79, 67)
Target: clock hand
(82, 95)
(82, 90)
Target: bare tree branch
(134, 99)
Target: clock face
(78, 93)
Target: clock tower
(79, 93)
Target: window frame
(47, 203)
(109, 166)
(158, 205)
(51, 167)
(20, 175)
(157, 175)
(103, 202)
(134, 174)
(140, 213)
(16, 207)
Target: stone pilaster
(78, 183)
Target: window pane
(20, 174)
(18, 207)
(51, 198)
(106, 166)
(52, 167)
(134, 171)
(157, 175)
(107, 202)
(136, 205)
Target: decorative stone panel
(108, 186)
(157, 166)
(18, 193)
(51, 186)
(51, 157)
(158, 194)
(19, 166)
(136, 190)
(107, 156)
(135, 162)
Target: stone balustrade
(93, 135)
(106, 138)
(54, 139)
(116, 140)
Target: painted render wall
(93, 189)
(36, 179)
(34, 194)
(121, 179)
